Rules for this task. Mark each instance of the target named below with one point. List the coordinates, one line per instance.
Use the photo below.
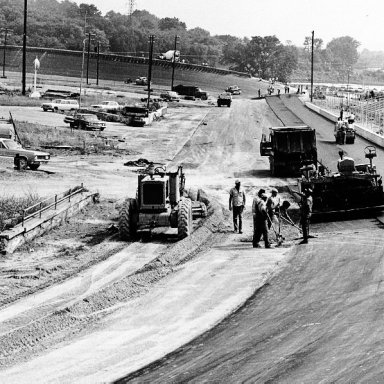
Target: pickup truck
(26, 157)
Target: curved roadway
(319, 320)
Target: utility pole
(313, 38)
(88, 54)
(82, 72)
(98, 63)
(151, 40)
(5, 48)
(174, 62)
(24, 49)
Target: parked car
(60, 105)
(141, 81)
(26, 157)
(51, 105)
(234, 90)
(170, 96)
(86, 121)
(107, 106)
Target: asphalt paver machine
(354, 188)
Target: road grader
(160, 201)
(353, 188)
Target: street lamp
(174, 61)
(6, 30)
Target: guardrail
(123, 59)
(48, 203)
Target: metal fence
(368, 112)
(36, 210)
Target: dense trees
(63, 24)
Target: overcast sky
(287, 19)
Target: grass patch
(11, 208)
(40, 136)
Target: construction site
(125, 266)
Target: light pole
(6, 30)
(348, 71)
(174, 61)
(151, 40)
(24, 49)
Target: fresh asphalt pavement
(318, 320)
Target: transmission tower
(131, 8)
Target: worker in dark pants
(254, 213)
(306, 213)
(237, 204)
(261, 223)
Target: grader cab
(160, 202)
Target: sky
(289, 20)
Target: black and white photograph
(191, 191)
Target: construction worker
(261, 222)
(273, 205)
(305, 213)
(254, 213)
(237, 202)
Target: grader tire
(184, 219)
(128, 220)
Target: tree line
(64, 25)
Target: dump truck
(160, 201)
(354, 188)
(191, 91)
(289, 148)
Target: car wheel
(45, 109)
(56, 109)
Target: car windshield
(90, 117)
(10, 144)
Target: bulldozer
(354, 188)
(160, 202)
